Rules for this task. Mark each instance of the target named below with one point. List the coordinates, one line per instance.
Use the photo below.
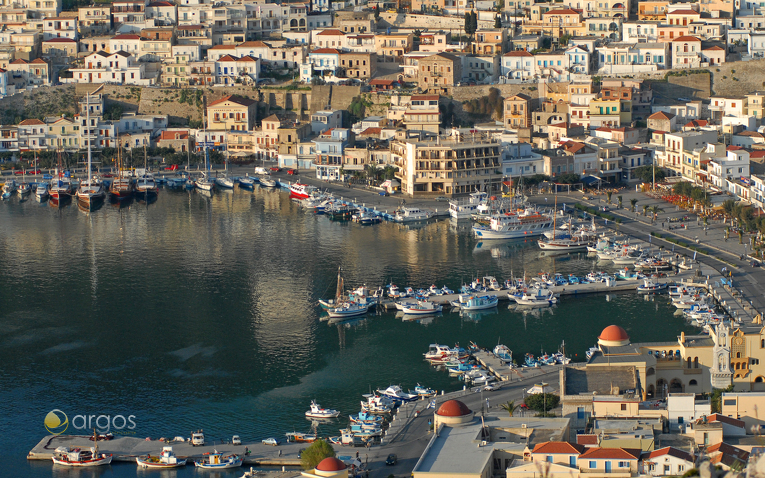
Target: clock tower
(720, 373)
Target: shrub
(542, 402)
(313, 455)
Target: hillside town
(567, 88)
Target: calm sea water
(196, 312)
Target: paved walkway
(748, 281)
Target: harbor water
(196, 312)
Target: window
(593, 464)
(624, 464)
(624, 406)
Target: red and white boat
(301, 191)
(81, 458)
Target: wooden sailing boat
(122, 185)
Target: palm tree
(645, 210)
(608, 196)
(655, 210)
(372, 171)
(740, 236)
(633, 202)
(619, 200)
(510, 407)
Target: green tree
(655, 210)
(510, 407)
(716, 398)
(568, 178)
(608, 196)
(316, 452)
(645, 209)
(645, 173)
(372, 171)
(619, 200)
(564, 39)
(740, 236)
(473, 22)
(377, 14)
(542, 402)
(468, 23)
(500, 6)
(497, 22)
(633, 203)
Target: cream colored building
(747, 407)
(232, 113)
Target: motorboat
(465, 208)
(219, 461)
(476, 302)
(23, 189)
(366, 417)
(246, 182)
(411, 214)
(377, 404)
(423, 307)
(297, 437)
(317, 412)
(650, 286)
(403, 304)
(301, 191)
(537, 298)
(60, 188)
(266, 181)
(394, 392)
(366, 218)
(90, 192)
(568, 245)
(503, 353)
(422, 391)
(146, 184)
(514, 225)
(9, 188)
(166, 459)
(224, 182)
(41, 191)
(479, 376)
(440, 353)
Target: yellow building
(747, 407)
(232, 113)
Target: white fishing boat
(537, 298)
(166, 459)
(411, 214)
(514, 225)
(146, 184)
(503, 353)
(423, 307)
(246, 182)
(475, 302)
(9, 188)
(465, 208)
(79, 457)
(224, 182)
(348, 309)
(204, 183)
(378, 404)
(219, 461)
(650, 286)
(90, 191)
(317, 412)
(301, 191)
(568, 245)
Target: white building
(683, 408)
(120, 67)
(668, 461)
(734, 167)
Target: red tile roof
(254, 44)
(39, 60)
(686, 38)
(160, 4)
(60, 40)
(518, 53)
(222, 47)
(562, 11)
(662, 115)
(326, 50)
(587, 439)
(683, 455)
(330, 32)
(170, 135)
(126, 36)
(558, 447)
(29, 122)
(247, 58)
(227, 58)
(611, 453)
(713, 48)
(684, 12)
(695, 124)
(716, 417)
(370, 131)
(235, 99)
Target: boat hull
(487, 233)
(83, 464)
(147, 464)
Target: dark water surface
(196, 312)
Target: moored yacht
(411, 214)
(465, 208)
(512, 226)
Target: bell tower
(720, 373)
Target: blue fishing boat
(367, 418)
(219, 461)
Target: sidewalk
(748, 281)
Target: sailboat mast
(87, 121)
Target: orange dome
(614, 335)
(453, 408)
(331, 464)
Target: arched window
(695, 362)
(693, 382)
(685, 48)
(738, 354)
(759, 380)
(688, 360)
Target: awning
(391, 183)
(590, 180)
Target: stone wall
(465, 93)
(423, 22)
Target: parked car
(384, 193)
(490, 387)
(391, 460)
(441, 198)
(292, 172)
(174, 167)
(235, 440)
(604, 208)
(34, 171)
(271, 441)
(19, 172)
(275, 169)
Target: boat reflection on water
(346, 322)
(60, 202)
(420, 319)
(87, 208)
(476, 315)
(204, 192)
(146, 199)
(121, 203)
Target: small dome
(453, 408)
(331, 464)
(613, 335)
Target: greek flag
(432, 404)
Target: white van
(197, 438)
